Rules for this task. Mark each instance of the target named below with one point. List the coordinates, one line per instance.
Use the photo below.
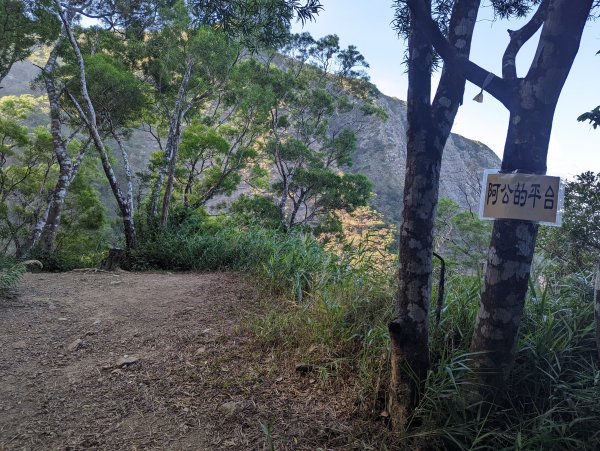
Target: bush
(288, 263)
(67, 259)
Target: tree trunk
(597, 308)
(503, 298)
(113, 260)
(128, 216)
(166, 205)
(429, 126)
(122, 201)
(409, 330)
(44, 233)
(513, 242)
(171, 149)
(90, 122)
(190, 184)
(46, 237)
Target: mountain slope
(380, 154)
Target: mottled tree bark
(89, 119)
(409, 330)
(513, 242)
(171, 149)
(429, 126)
(45, 230)
(531, 102)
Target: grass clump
(11, 272)
(287, 264)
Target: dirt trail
(148, 361)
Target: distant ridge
(380, 154)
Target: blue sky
(574, 146)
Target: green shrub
(11, 272)
(288, 263)
(68, 258)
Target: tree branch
(497, 87)
(520, 37)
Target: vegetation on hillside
(231, 99)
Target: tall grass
(10, 274)
(337, 320)
(288, 264)
(551, 398)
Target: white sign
(528, 197)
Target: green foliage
(548, 401)
(592, 116)
(257, 24)
(117, 94)
(169, 50)
(288, 264)
(311, 136)
(24, 25)
(26, 170)
(11, 272)
(85, 234)
(214, 153)
(460, 236)
(576, 244)
(259, 210)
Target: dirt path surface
(149, 361)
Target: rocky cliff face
(381, 155)
(381, 152)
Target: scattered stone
(74, 346)
(127, 360)
(20, 344)
(229, 408)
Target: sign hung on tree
(528, 197)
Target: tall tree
(252, 25)
(217, 151)
(187, 68)
(101, 113)
(46, 228)
(531, 102)
(429, 125)
(320, 97)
